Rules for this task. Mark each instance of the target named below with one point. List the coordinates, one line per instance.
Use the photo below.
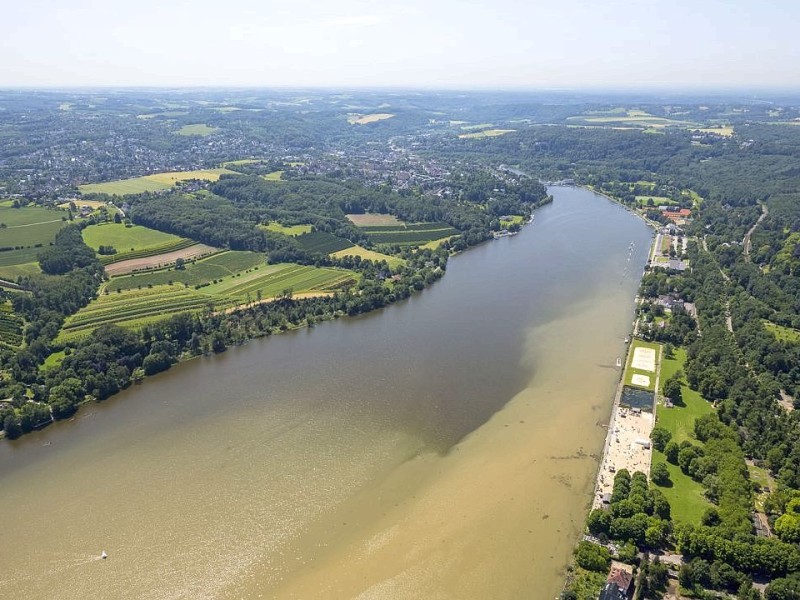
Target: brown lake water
(444, 447)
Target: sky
(450, 44)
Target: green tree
(660, 474)
(660, 437)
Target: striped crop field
(160, 260)
(274, 279)
(410, 235)
(130, 308)
(137, 307)
(170, 246)
(320, 242)
(195, 273)
(10, 327)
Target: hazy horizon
(569, 45)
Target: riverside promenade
(627, 443)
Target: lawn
(393, 261)
(291, 230)
(125, 239)
(781, 333)
(657, 200)
(686, 495)
(679, 420)
(200, 129)
(515, 219)
(274, 176)
(630, 372)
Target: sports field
(640, 370)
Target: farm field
(151, 183)
(364, 253)
(157, 257)
(200, 129)
(28, 230)
(121, 187)
(29, 225)
(411, 234)
(726, 131)
(366, 119)
(10, 326)
(322, 242)
(28, 215)
(292, 230)
(485, 133)
(132, 309)
(216, 266)
(136, 307)
(368, 219)
(272, 280)
(630, 118)
(781, 333)
(125, 239)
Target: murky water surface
(441, 448)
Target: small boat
(619, 362)
(103, 555)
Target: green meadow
(125, 238)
